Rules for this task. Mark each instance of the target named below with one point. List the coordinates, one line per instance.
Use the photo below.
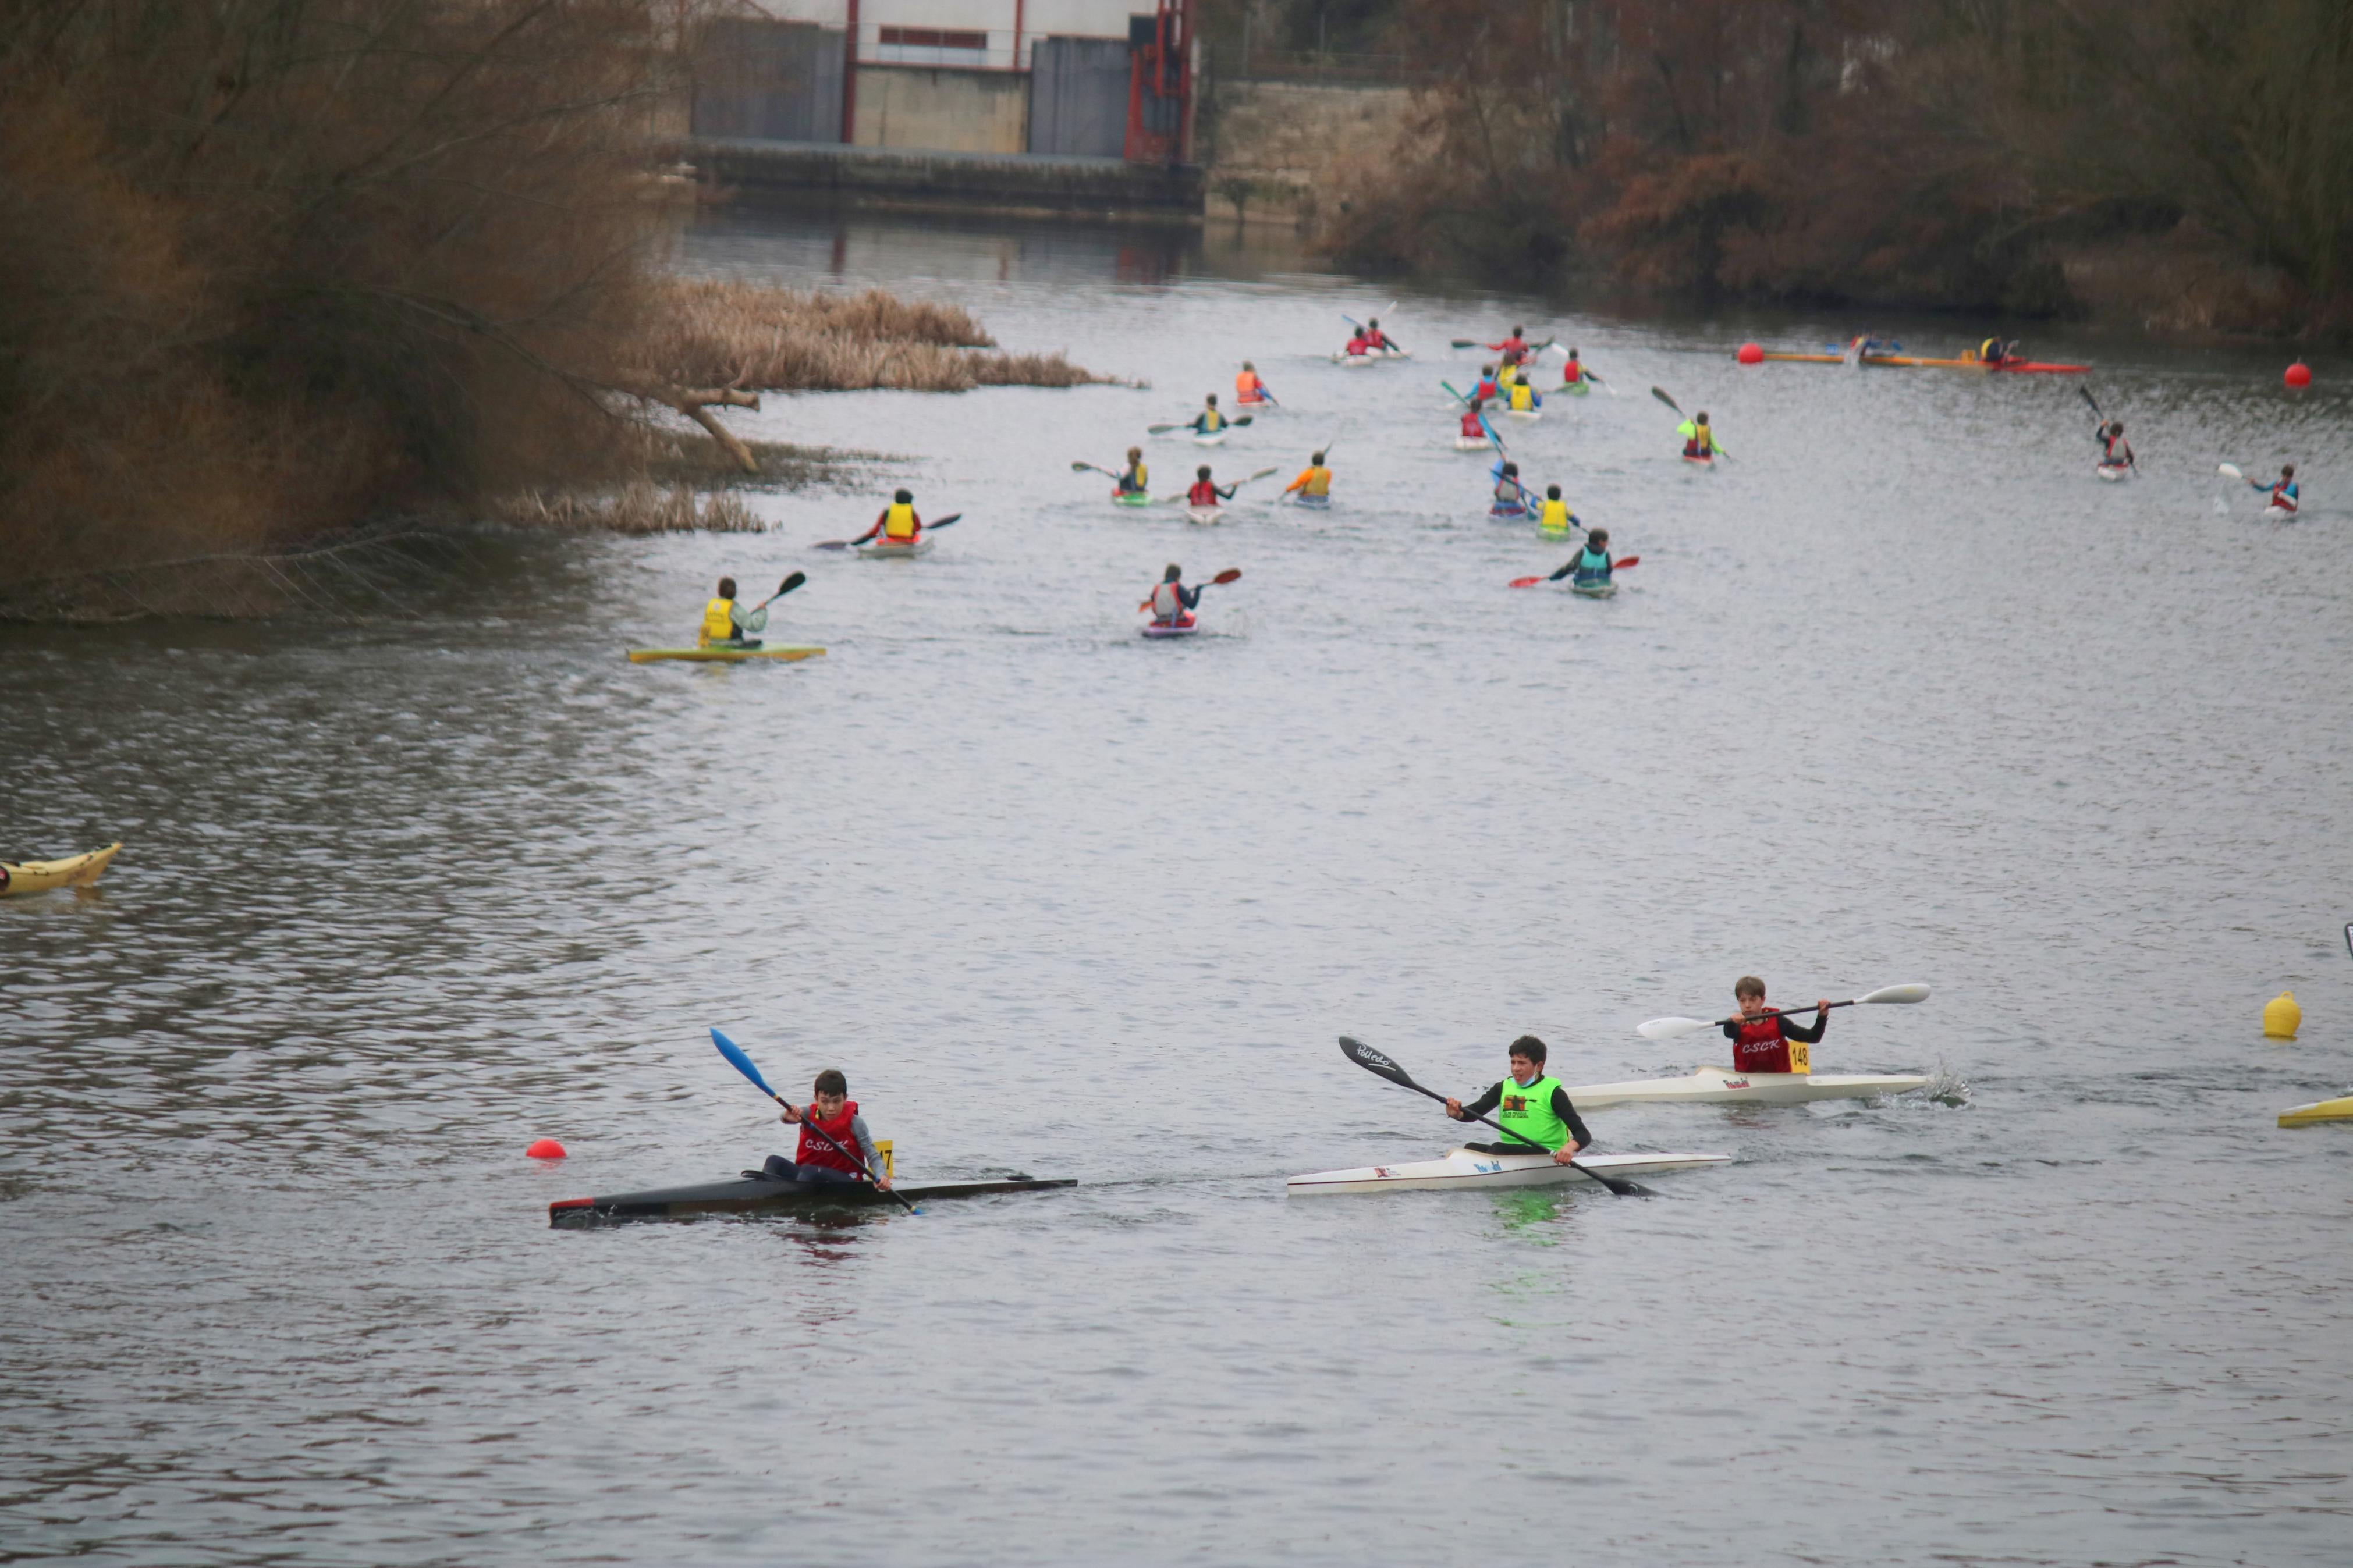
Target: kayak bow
(40, 876)
(1464, 1169)
(1722, 1086)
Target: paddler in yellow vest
(898, 522)
(1699, 440)
(1133, 477)
(1531, 1103)
(1314, 480)
(1554, 517)
(1523, 394)
(1209, 422)
(719, 617)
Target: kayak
(888, 549)
(1354, 361)
(1708, 462)
(2112, 472)
(1130, 498)
(2023, 367)
(1507, 513)
(1214, 438)
(1462, 1169)
(1525, 413)
(1575, 389)
(2318, 1112)
(751, 1195)
(1256, 403)
(1313, 503)
(2278, 513)
(1183, 628)
(40, 876)
(1722, 1086)
(1602, 590)
(1205, 515)
(1472, 444)
(721, 654)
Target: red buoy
(1752, 354)
(545, 1149)
(2299, 375)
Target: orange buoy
(545, 1149)
(1752, 354)
(2299, 375)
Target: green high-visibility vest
(1528, 1112)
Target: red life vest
(814, 1150)
(1203, 493)
(1359, 345)
(1759, 1046)
(1571, 373)
(1473, 427)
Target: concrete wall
(1267, 145)
(941, 111)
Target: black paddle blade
(1619, 1185)
(791, 583)
(1661, 393)
(1373, 1061)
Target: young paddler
(1132, 477)
(1314, 480)
(1592, 566)
(1249, 388)
(1510, 497)
(1171, 603)
(1761, 1039)
(722, 622)
(1574, 373)
(1489, 388)
(2283, 494)
(1209, 422)
(832, 1112)
(1205, 493)
(1475, 421)
(898, 522)
(1699, 438)
(2116, 452)
(1554, 518)
(1530, 1102)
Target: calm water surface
(1900, 693)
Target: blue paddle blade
(740, 1062)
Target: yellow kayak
(785, 651)
(2318, 1112)
(40, 876)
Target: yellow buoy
(2282, 1017)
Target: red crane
(1159, 85)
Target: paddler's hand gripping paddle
(742, 1064)
(1672, 1028)
(1374, 1062)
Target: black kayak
(754, 1196)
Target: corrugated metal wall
(1078, 96)
(776, 80)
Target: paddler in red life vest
(2282, 496)
(898, 523)
(1760, 1039)
(1514, 346)
(1171, 601)
(1475, 422)
(2116, 452)
(1249, 388)
(1359, 345)
(1530, 1102)
(1489, 389)
(1378, 338)
(720, 624)
(833, 1113)
(1205, 492)
(1573, 371)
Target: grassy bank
(276, 271)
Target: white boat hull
(1461, 1169)
(2278, 513)
(1722, 1086)
(2114, 473)
(1204, 515)
(1214, 438)
(1525, 413)
(882, 550)
(1472, 444)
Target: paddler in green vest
(721, 623)
(1699, 436)
(1530, 1102)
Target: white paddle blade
(1897, 994)
(1670, 1028)
(2229, 471)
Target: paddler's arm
(866, 1151)
(1803, 1034)
(1477, 1108)
(1579, 1136)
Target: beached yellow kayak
(2319, 1111)
(721, 655)
(39, 876)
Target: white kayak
(886, 550)
(1464, 1168)
(1313, 504)
(1722, 1086)
(1214, 438)
(1356, 361)
(1606, 589)
(2115, 473)
(2278, 513)
(1204, 515)
(1472, 444)
(1525, 413)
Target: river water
(1898, 693)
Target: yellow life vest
(1315, 482)
(1211, 421)
(1523, 397)
(718, 622)
(1555, 516)
(898, 522)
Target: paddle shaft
(1617, 1185)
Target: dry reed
(636, 507)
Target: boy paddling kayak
(832, 1115)
(898, 523)
(1529, 1103)
(1761, 1039)
(1314, 481)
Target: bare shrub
(638, 507)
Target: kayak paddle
(845, 543)
(2085, 394)
(1619, 565)
(1661, 393)
(742, 1064)
(2229, 471)
(783, 588)
(1090, 467)
(1380, 1066)
(1674, 1028)
(1164, 430)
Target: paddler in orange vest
(1314, 480)
(1761, 1039)
(720, 621)
(898, 522)
(1249, 388)
(832, 1112)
